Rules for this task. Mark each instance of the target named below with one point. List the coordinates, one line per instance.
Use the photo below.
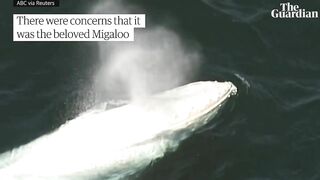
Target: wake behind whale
(112, 144)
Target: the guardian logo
(288, 10)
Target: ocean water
(270, 130)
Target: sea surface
(270, 130)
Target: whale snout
(186, 105)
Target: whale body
(116, 143)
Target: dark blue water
(271, 130)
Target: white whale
(116, 143)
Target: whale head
(187, 106)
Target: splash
(157, 60)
